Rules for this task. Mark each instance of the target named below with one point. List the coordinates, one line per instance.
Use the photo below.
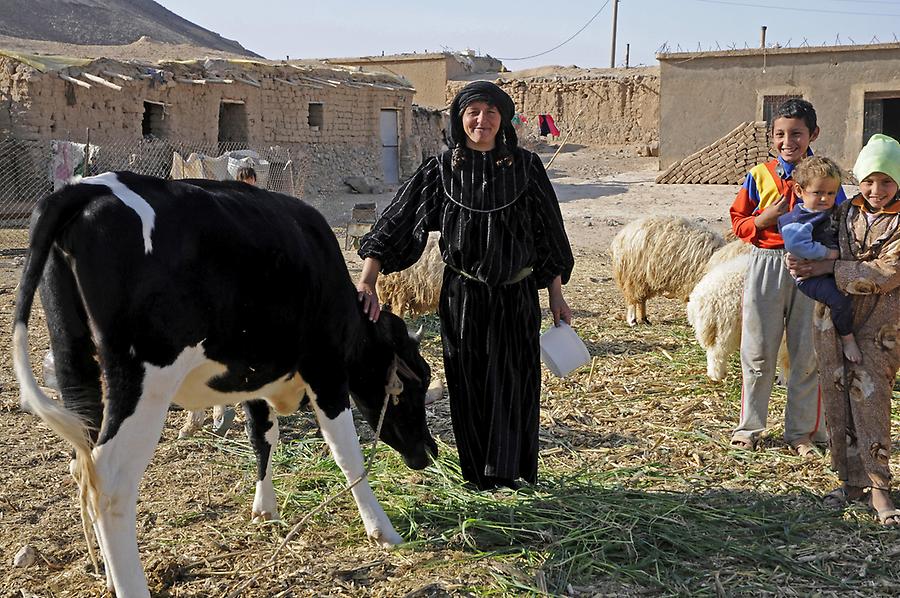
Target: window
(316, 118)
(881, 114)
(772, 103)
(153, 123)
(232, 122)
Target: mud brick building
(340, 121)
(704, 95)
(428, 72)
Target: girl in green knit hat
(857, 396)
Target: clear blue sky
(329, 28)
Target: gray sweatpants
(772, 306)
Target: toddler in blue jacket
(810, 232)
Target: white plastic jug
(562, 351)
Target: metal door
(873, 118)
(390, 150)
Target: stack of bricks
(725, 162)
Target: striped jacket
(764, 185)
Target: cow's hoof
(263, 516)
(386, 539)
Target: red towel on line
(547, 125)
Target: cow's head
(389, 349)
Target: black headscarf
(483, 91)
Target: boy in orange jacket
(772, 305)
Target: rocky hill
(106, 23)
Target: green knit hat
(880, 154)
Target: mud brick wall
(620, 108)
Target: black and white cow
(203, 293)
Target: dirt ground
(194, 506)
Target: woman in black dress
(502, 239)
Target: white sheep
(714, 309)
(416, 290)
(727, 252)
(660, 255)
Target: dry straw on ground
(639, 492)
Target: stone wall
(428, 130)
(619, 107)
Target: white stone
(25, 557)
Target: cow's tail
(49, 218)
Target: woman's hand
(802, 269)
(558, 306)
(366, 293)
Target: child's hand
(769, 217)
(833, 254)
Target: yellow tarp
(45, 63)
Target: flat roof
(663, 56)
(391, 58)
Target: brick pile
(724, 162)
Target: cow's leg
(137, 399)
(340, 434)
(262, 430)
(74, 353)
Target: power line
(806, 10)
(591, 20)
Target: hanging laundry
(542, 124)
(548, 127)
(67, 161)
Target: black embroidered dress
(502, 239)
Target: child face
(878, 189)
(792, 137)
(819, 194)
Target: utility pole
(612, 59)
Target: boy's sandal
(743, 444)
(807, 449)
(890, 518)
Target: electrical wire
(591, 20)
(806, 10)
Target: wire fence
(801, 42)
(30, 170)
